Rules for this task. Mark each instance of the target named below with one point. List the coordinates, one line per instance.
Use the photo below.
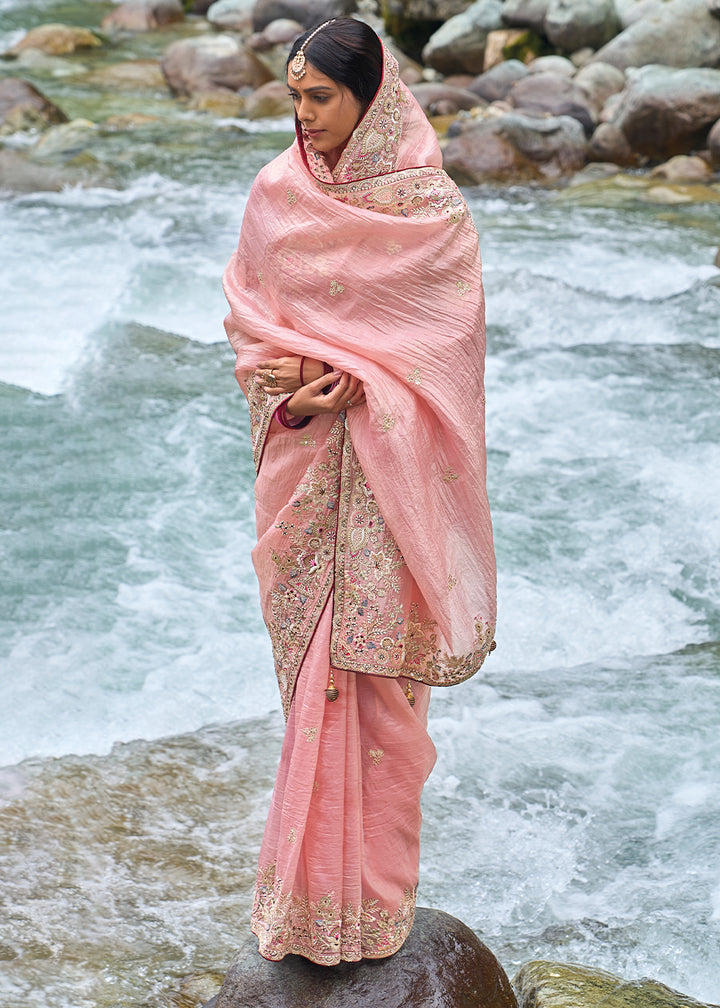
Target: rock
(269, 101)
(221, 102)
(282, 32)
(497, 44)
(682, 33)
(546, 94)
(558, 65)
(440, 99)
(573, 24)
(630, 11)
(442, 963)
(143, 15)
(608, 143)
(526, 14)
(23, 107)
(65, 141)
(210, 62)
(495, 83)
(559, 985)
(458, 46)
(515, 146)
(717, 259)
(231, 15)
(18, 173)
(56, 40)
(305, 12)
(713, 142)
(682, 168)
(666, 111)
(714, 7)
(599, 81)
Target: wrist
(287, 419)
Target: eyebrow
(316, 87)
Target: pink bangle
(288, 421)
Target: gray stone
(495, 83)
(56, 40)
(231, 15)
(599, 81)
(665, 111)
(212, 61)
(514, 146)
(713, 142)
(573, 24)
(442, 963)
(526, 14)
(546, 94)
(305, 12)
(682, 33)
(561, 66)
(458, 46)
(630, 11)
(608, 143)
(441, 99)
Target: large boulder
(23, 107)
(143, 15)
(609, 143)
(305, 12)
(459, 45)
(441, 963)
(513, 146)
(212, 61)
(599, 81)
(713, 142)
(442, 99)
(547, 94)
(231, 15)
(666, 111)
(574, 24)
(683, 33)
(526, 14)
(56, 40)
(561, 985)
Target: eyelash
(318, 98)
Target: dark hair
(348, 52)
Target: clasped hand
(282, 375)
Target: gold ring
(271, 379)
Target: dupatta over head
(374, 268)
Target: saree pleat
(338, 867)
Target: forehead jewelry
(297, 64)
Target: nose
(304, 111)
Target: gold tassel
(410, 695)
(332, 692)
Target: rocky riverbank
(520, 90)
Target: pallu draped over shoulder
(374, 557)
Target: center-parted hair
(347, 51)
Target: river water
(577, 789)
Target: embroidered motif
(415, 376)
(307, 441)
(393, 248)
(292, 836)
(452, 581)
(291, 197)
(336, 288)
(310, 734)
(462, 287)
(260, 280)
(387, 422)
(326, 931)
(376, 756)
(449, 475)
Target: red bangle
(302, 380)
(288, 421)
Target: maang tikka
(297, 63)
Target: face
(328, 112)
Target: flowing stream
(574, 812)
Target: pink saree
(374, 556)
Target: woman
(357, 317)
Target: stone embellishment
(462, 287)
(452, 581)
(291, 197)
(415, 376)
(292, 836)
(376, 755)
(310, 734)
(336, 288)
(387, 422)
(449, 475)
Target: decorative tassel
(410, 695)
(332, 692)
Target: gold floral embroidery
(376, 755)
(393, 248)
(310, 734)
(415, 376)
(291, 197)
(452, 581)
(463, 287)
(260, 280)
(449, 475)
(387, 422)
(307, 441)
(292, 836)
(336, 288)
(326, 931)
